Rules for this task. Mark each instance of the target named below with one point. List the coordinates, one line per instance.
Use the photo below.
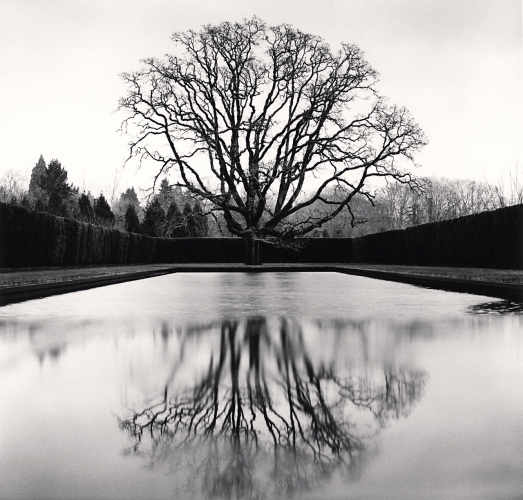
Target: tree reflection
(264, 420)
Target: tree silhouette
(49, 189)
(85, 208)
(261, 121)
(264, 419)
(132, 222)
(174, 222)
(37, 176)
(102, 211)
(154, 219)
(165, 194)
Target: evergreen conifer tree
(38, 172)
(132, 223)
(55, 179)
(165, 194)
(130, 197)
(54, 183)
(154, 219)
(102, 211)
(85, 208)
(175, 227)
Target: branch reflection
(263, 419)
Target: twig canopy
(263, 121)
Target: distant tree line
(397, 206)
(172, 213)
(169, 213)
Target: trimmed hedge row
(488, 239)
(199, 250)
(39, 239)
(314, 251)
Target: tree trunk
(252, 251)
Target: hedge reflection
(498, 308)
(264, 420)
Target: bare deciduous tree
(11, 186)
(260, 121)
(397, 205)
(509, 191)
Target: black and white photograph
(261, 250)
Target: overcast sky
(456, 65)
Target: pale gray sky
(455, 64)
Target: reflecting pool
(265, 385)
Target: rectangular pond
(261, 385)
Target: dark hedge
(313, 250)
(37, 239)
(489, 239)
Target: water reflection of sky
(259, 386)
(190, 296)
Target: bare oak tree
(260, 121)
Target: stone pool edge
(507, 291)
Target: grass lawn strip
(37, 276)
(31, 276)
(470, 273)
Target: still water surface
(317, 385)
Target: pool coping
(507, 291)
